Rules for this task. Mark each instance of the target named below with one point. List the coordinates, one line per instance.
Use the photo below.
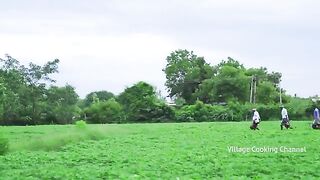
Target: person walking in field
(285, 118)
(316, 119)
(255, 120)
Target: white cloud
(96, 62)
(111, 44)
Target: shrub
(161, 112)
(243, 111)
(203, 112)
(269, 111)
(81, 124)
(4, 144)
(141, 104)
(105, 112)
(299, 108)
(239, 111)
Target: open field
(160, 151)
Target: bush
(299, 108)
(4, 144)
(243, 111)
(81, 124)
(239, 111)
(141, 104)
(105, 112)
(161, 112)
(200, 112)
(269, 112)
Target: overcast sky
(111, 44)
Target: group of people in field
(285, 122)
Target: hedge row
(112, 112)
(199, 112)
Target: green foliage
(27, 96)
(203, 112)
(53, 137)
(142, 105)
(231, 84)
(180, 102)
(164, 151)
(24, 90)
(97, 96)
(269, 112)
(228, 85)
(267, 93)
(240, 111)
(4, 144)
(191, 78)
(81, 124)
(105, 112)
(299, 108)
(61, 105)
(244, 111)
(36, 78)
(184, 72)
(235, 111)
(231, 63)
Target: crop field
(222, 150)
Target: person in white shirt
(255, 120)
(285, 118)
(316, 119)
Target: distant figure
(316, 119)
(285, 118)
(255, 120)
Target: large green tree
(109, 111)
(141, 104)
(37, 78)
(185, 71)
(61, 105)
(97, 96)
(230, 84)
(24, 89)
(13, 86)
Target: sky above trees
(108, 45)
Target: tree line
(201, 92)
(191, 78)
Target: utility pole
(253, 89)
(280, 96)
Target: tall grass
(55, 140)
(4, 144)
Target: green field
(160, 151)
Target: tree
(267, 84)
(25, 89)
(185, 71)
(61, 105)
(36, 78)
(267, 93)
(141, 104)
(230, 84)
(105, 112)
(12, 87)
(230, 62)
(207, 91)
(262, 75)
(8, 101)
(275, 78)
(98, 95)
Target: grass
(51, 138)
(159, 151)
